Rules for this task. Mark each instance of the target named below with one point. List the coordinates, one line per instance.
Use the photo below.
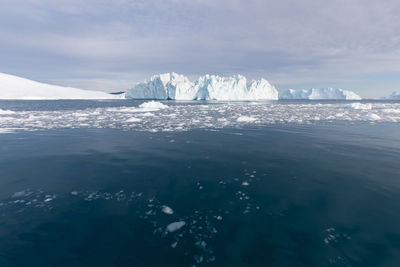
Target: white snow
(175, 226)
(209, 87)
(13, 87)
(321, 93)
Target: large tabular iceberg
(322, 93)
(208, 87)
(13, 87)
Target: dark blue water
(281, 195)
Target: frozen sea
(141, 183)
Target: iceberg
(163, 86)
(13, 87)
(321, 93)
(209, 87)
(393, 96)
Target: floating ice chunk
(153, 105)
(208, 87)
(8, 130)
(147, 114)
(391, 110)
(133, 119)
(173, 245)
(358, 106)
(245, 183)
(246, 119)
(23, 193)
(175, 226)
(6, 112)
(167, 210)
(371, 117)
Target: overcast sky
(110, 45)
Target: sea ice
(153, 105)
(6, 112)
(371, 117)
(133, 119)
(246, 119)
(359, 106)
(186, 116)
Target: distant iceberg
(322, 93)
(209, 87)
(13, 87)
(394, 96)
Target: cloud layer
(106, 45)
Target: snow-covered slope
(394, 96)
(13, 87)
(322, 93)
(208, 87)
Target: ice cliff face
(322, 93)
(13, 87)
(208, 87)
(164, 86)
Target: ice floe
(175, 226)
(167, 210)
(178, 116)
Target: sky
(111, 45)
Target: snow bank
(208, 87)
(322, 93)
(13, 87)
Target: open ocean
(122, 183)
